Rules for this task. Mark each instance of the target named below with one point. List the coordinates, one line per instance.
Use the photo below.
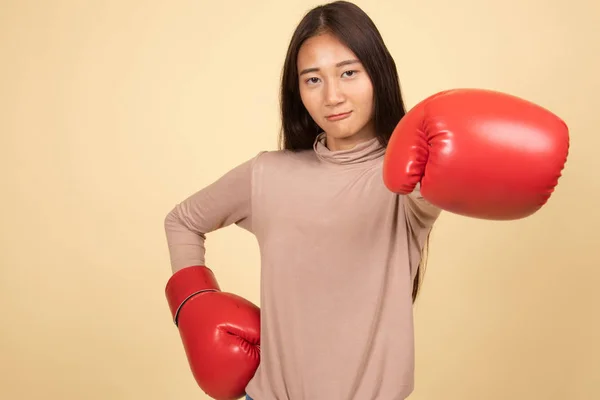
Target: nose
(333, 94)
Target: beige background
(112, 111)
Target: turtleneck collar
(368, 150)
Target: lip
(337, 117)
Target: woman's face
(336, 90)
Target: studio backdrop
(111, 112)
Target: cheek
(363, 94)
(309, 99)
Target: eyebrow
(340, 64)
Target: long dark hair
(353, 27)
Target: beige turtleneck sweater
(339, 253)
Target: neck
(364, 152)
(335, 144)
(347, 143)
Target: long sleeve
(420, 216)
(226, 201)
(420, 213)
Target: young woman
(340, 252)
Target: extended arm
(478, 153)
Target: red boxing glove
(220, 332)
(478, 153)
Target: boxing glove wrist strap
(186, 283)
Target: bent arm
(226, 201)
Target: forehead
(322, 51)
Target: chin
(347, 131)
